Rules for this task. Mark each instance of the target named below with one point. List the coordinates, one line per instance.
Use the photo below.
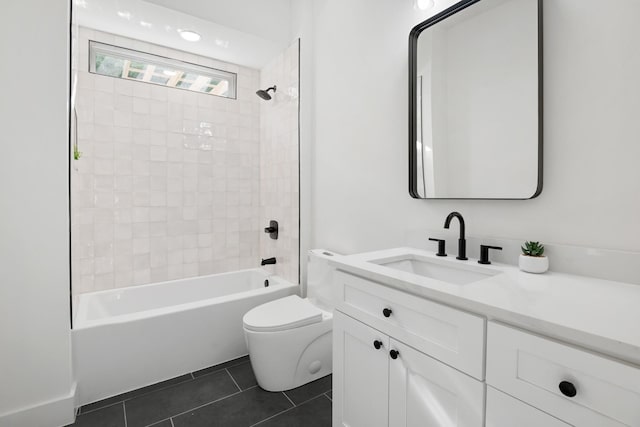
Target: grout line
(124, 410)
(158, 422)
(138, 395)
(289, 409)
(101, 407)
(193, 377)
(196, 408)
(327, 396)
(239, 362)
(232, 379)
(313, 398)
(285, 395)
(172, 425)
(272, 416)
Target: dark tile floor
(223, 395)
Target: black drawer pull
(568, 389)
(387, 312)
(377, 344)
(394, 354)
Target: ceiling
(267, 19)
(244, 32)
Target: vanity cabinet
(577, 386)
(380, 381)
(452, 336)
(401, 360)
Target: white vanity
(425, 341)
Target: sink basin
(446, 271)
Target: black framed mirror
(475, 102)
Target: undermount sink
(446, 271)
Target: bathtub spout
(266, 261)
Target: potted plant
(532, 259)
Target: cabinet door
(424, 392)
(360, 374)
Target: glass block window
(123, 63)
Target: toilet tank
(319, 278)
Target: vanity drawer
(505, 411)
(449, 335)
(531, 368)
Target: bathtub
(128, 338)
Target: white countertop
(600, 315)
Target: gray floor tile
(111, 416)
(165, 403)
(308, 391)
(215, 368)
(241, 410)
(314, 413)
(243, 374)
(165, 423)
(134, 393)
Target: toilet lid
(282, 314)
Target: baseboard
(53, 413)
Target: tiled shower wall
(279, 176)
(168, 185)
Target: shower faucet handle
(272, 229)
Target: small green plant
(534, 249)
(76, 153)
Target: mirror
(475, 123)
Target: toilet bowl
(289, 339)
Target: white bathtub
(128, 338)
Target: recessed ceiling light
(124, 14)
(189, 35)
(424, 4)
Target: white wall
(591, 194)
(35, 357)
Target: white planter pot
(533, 264)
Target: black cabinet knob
(567, 388)
(387, 312)
(377, 344)
(394, 354)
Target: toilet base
(288, 359)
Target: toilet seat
(282, 314)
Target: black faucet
(462, 243)
(266, 261)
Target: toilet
(289, 339)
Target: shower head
(264, 94)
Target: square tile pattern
(222, 395)
(174, 184)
